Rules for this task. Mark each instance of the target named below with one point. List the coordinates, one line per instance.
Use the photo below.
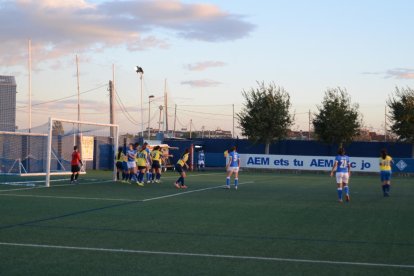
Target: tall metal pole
(142, 107)
(30, 84)
(175, 118)
(385, 125)
(166, 106)
(149, 116)
(233, 121)
(111, 107)
(77, 78)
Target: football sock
(236, 181)
(182, 181)
(72, 176)
(346, 190)
(76, 176)
(153, 176)
(228, 181)
(158, 176)
(127, 176)
(117, 175)
(387, 187)
(140, 177)
(339, 193)
(179, 180)
(123, 176)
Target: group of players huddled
(139, 162)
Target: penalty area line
(190, 191)
(203, 255)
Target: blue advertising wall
(214, 149)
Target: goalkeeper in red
(75, 165)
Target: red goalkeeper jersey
(76, 158)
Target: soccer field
(274, 224)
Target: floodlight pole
(140, 71)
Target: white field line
(54, 186)
(190, 191)
(63, 185)
(203, 255)
(119, 199)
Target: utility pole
(191, 122)
(111, 106)
(309, 126)
(175, 118)
(30, 84)
(159, 121)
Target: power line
(64, 98)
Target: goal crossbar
(114, 130)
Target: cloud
(201, 66)
(397, 73)
(61, 27)
(201, 83)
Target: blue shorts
(385, 175)
(124, 166)
(178, 168)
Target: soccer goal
(47, 150)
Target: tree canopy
(338, 120)
(401, 105)
(265, 116)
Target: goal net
(47, 150)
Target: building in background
(7, 103)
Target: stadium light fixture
(140, 72)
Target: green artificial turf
(290, 218)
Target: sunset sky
(209, 51)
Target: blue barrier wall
(214, 148)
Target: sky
(204, 54)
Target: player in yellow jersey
(142, 157)
(120, 158)
(179, 167)
(385, 163)
(156, 156)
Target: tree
(338, 120)
(57, 128)
(265, 116)
(401, 106)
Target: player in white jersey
(232, 166)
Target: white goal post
(83, 133)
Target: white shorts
(201, 163)
(131, 164)
(342, 177)
(233, 169)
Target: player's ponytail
(119, 152)
(384, 153)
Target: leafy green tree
(338, 120)
(265, 116)
(401, 106)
